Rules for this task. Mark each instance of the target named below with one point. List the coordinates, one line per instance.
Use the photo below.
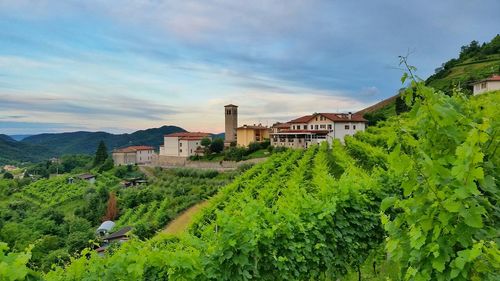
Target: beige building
(247, 134)
(182, 144)
(231, 123)
(133, 155)
(489, 84)
(316, 128)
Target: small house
(486, 85)
(119, 236)
(87, 177)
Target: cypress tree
(101, 154)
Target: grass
(261, 153)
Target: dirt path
(181, 223)
(148, 171)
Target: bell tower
(231, 116)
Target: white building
(130, 155)
(183, 144)
(318, 127)
(489, 84)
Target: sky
(121, 66)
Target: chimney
(349, 115)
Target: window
(305, 127)
(347, 127)
(354, 127)
(180, 150)
(322, 126)
(180, 144)
(483, 85)
(315, 127)
(329, 126)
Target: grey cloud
(92, 108)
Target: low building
(131, 155)
(316, 128)
(9, 168)
(183, 144)
(247, 134)
(486, 85)
(87, 177)
(119, 236)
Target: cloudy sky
(125, 65)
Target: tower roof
(230, 105)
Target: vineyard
(415, 198)
(149, 208)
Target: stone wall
(172, 162)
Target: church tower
(231, 114)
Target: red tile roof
(133, 148)
(492, 78)
(321, 132)
(303, 119)
(281, 125)
(335, 117)
(192, 138)
(255, 127)
(188, 134)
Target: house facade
(486, 85)
(316, 128)
(247, 134)
(183, 144)
(133, 155)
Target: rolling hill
(41, 147)
(13, 151)
(86, 142)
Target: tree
(101, 154)
(112, 209)
(8, 175)
(217, 145)
(205, 142)
(108, 165)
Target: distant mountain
(12, 151)
(86, 142)
(219, 136)
(19, 137)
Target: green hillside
(13, 151)
(41, 147)
(411, 199)
(86, 142)
(475, 62)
